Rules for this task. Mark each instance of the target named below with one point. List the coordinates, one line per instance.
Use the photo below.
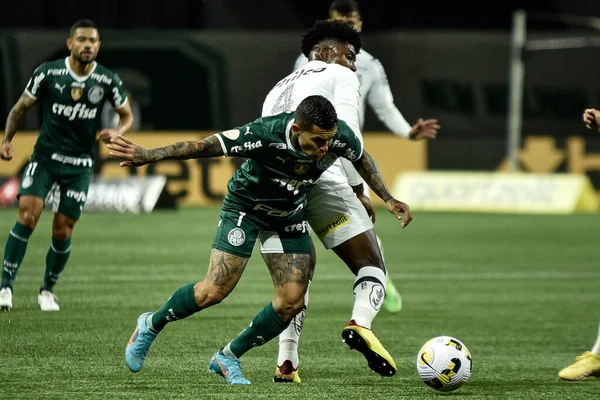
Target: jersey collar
(288, 136)
(77, 77)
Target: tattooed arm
(15, 117)
(367, 168)
(135, 155)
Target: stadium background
(508, 285)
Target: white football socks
(369, 293)
(289, 338)
(596, 348)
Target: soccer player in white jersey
(375, 90)
(335, 207)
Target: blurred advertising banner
(499, 192)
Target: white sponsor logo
(278, 146)
(59, 87)
(350, 154)
(57, 72)
(79, 196)
(232, 134)
(95, 94)
(292, 185)
(236, 237)
(301, 227)
(247, 146)
(248, 131)
(337, 143)
(118, 99)
(79, 111)
(101, 78)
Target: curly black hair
(325, 29)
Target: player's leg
(56, 260)
(341, 222)
(290, 272)
(232, 248)
(35, 184)
(67, 200)
(30, 209)
(587, 364)
(393, 301)
(288, 360)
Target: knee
(28, 217)
(208, 294)
(288, 306)
(62, 232)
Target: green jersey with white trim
(277, 176)
(72, 106)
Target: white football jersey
(376, 91)
(337, 84)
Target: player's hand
(591, 118)
(107, 134)
(133, 154)
(7, 152)
(400, 209)
(366, 202)
(427, 129)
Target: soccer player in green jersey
(73, 91)
(267, 196)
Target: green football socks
(265, 326)
(180, 305)
(56, 259)
(14, 252)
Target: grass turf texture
(520, 291)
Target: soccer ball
(444, 363)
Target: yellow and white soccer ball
(444, 363)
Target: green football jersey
(72, 106)
(277, 176)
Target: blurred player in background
(375, 90)
(73, 91)
(266, 196)
(587, 364)
(337, 207)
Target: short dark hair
(82, 23)
(344, 7)
(324, 29)
(316, 110)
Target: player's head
(84, 41)
(332, 42)
(315, 125)
(346, 11)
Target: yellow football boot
(585, 365)
(363, 340)
(286, 373)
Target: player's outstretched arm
(367, 168)
(15, 117)
(135, 155)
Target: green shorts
(238, 230)
(63, 185)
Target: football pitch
(521, 292)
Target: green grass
(520, 291)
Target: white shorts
(334, 212)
